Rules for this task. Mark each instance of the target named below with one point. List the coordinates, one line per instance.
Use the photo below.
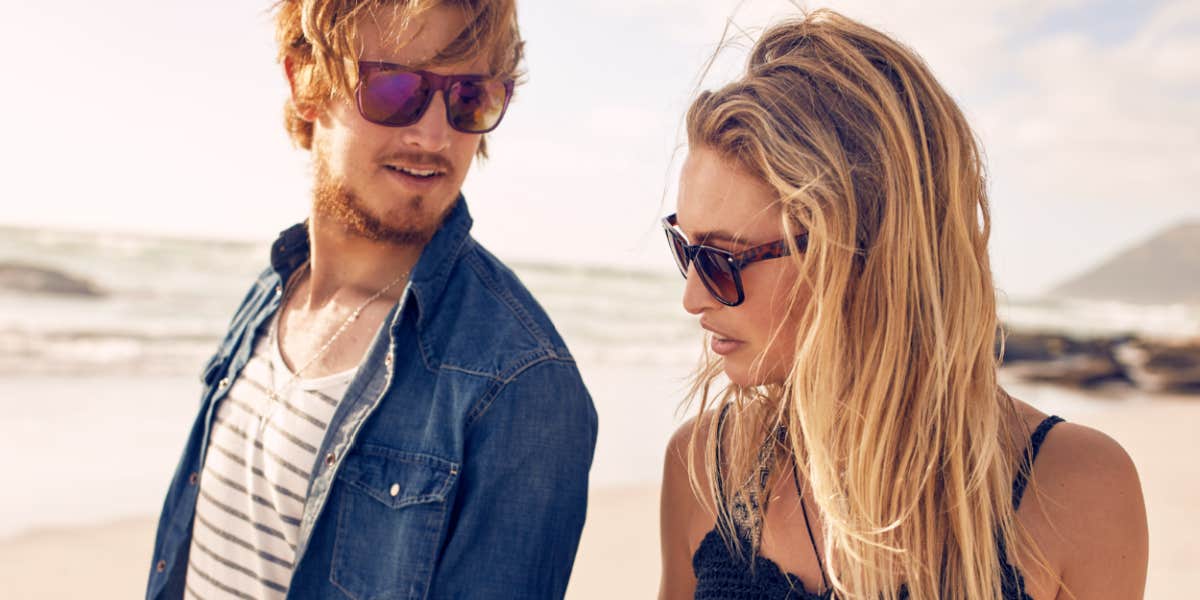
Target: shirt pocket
(390, 522)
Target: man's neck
(344, 265)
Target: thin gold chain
(273, 394)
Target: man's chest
(316, 344)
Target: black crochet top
(722, 575)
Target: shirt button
(330, 459)
(161, 566)
(395, 491)
(193, 478)
(278, 289)
(387, 360)
(224, 383)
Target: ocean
(97, 391)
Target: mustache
(420, 160)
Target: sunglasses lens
(678, 251)
(717, 272)
(476, 106)
(393, 97)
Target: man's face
(364, 179)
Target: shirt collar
(429, 277)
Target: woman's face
(721, 206)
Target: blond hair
(891, 407)
(318, 38)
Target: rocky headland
(33, 279)
(1162, 270)
(1154, 365)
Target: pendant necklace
(275, 393)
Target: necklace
(811, 539)
(275, 394)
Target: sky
(164, 117)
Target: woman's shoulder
(1084, 507)
(691, 448)
(1079, 463)
(686, 457)
(685, 516)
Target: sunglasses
(395, 96)
(721, 270)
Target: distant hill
(1162, 270)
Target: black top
(721, 574)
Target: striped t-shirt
(255, 477)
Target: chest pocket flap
(390, 522)
(397, 478)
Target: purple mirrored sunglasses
(396, 96)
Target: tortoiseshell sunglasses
(720, 270)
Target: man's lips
(418, 166)
(418, 171)
(417, 176)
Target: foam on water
(98, 392)
(169, 300)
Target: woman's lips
(723, 346)
(721, 343)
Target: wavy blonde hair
(318, 37)
(892, 407)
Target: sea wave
(46, 352)
(168, 300)
(1094, 318)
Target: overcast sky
(163, 116)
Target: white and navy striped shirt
(253, 487)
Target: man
(391, 414)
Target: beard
(334, 199)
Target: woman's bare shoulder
(1085, 509)
(1079, 465)
(687, 445)
(685, 516)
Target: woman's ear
(305, 109)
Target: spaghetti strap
(1035, 445)
(722, 506)
(720, 433)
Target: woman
(832, 226)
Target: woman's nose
(696, 298)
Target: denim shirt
(467, 400)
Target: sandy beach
(618, 555)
